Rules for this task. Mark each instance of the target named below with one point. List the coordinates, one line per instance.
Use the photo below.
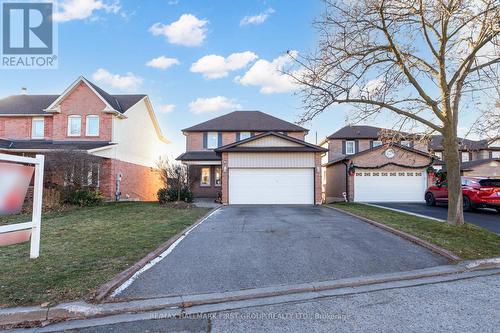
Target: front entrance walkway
(242, 247)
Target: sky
(195, 59)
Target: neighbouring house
(121, 131)
(251, 157)
(371, 164)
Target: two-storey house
(251, 157)
(120, 130)
(367, 163)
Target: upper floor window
(377, 143)
(74, 125)
(465, 156)
(495, 154)
(92, 126)
(438, 154)
(350, 147)
(212, 140)
(406, 143)
(245, 135)
(37, 128)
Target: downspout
(346, 180)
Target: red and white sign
(14, 183)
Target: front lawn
(82, 249)
(468, 241)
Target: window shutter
(205, 140)
(343, 147)
(356, 150)
(470, 156)
(219, 139)
(238, 136)
(252, 134)
(371, 144)
(412, 144)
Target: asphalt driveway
(241, 247)
(485, 218)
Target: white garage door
(387, 186)
(271, 186)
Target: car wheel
(429, 199)
(467, 204)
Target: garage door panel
(271, 186)
(391, 186)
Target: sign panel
(14, 183)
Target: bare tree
(429, 62)
(72, 168)
(173, 175)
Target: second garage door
(271, 186)
(390, 186)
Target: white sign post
(36, 218)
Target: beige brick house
(250, 157)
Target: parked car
(478, 192)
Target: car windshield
(490, 182)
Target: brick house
(367, 165)
(251, 157)
(121, 131)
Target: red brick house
(121, 130)
(251, 157)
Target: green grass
(468, 241)
(82, 249)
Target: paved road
(241, 247)
(469, 305)
(486, 218)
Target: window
(495, 154)
(218, 176)
(92, 126)
(74, 125)
(377, 143)
(438, 154)
(37, 128)
(205, 177)
(350, 147)
(212, 140)
(406, 143)
(245, 135)
(465, 156)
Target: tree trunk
(453, 177)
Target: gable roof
(465, 144)
(302, 146)
(384, 146)
(251, 121)
(358, 132)
(37, 104)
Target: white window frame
(464, 153)
(347, 151)
(406, 143)
(377, 143)
(87, 128)
(245, 135)
(218, 170)
(69, 125)
(438, 154)
(211, 143)
(495, 154)
(202, 184)
(33, 121)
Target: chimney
(24, 91)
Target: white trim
(202, 162)
(33, 120)
(87, 125)
(216, 140)
(156, 260)
(54, 107)
(74, 116)
(353, 147)
(95, 150)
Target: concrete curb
(452, 257)
(36, 316)
(106, 289)
(405, 212)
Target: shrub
(82, 197)
(170, 195)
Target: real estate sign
(14, 183)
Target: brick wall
(225, 178)
(139, 182)
(317, 181)
(195, 178)
(82, 101)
